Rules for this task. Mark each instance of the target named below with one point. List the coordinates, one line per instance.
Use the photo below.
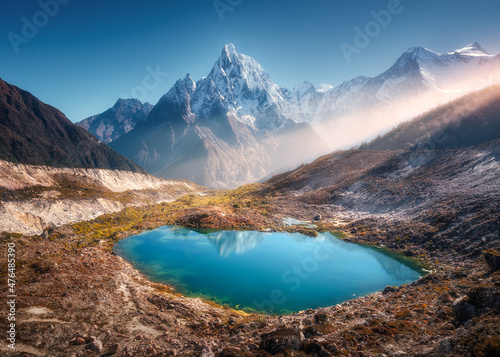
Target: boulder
(492, 259)
(113, 349)
(462, 310)
(281, 340)
(95, 345)
(230, 352)
(206, 352)
(445, 347)
(389, 289)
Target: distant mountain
(470, 120)
(416, 71)
(236, 125)
(420, 79)
(232, 127)
(118, 120)
(33, 132)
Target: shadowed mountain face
(36, 133)
(470, 120)
(232, 127)
(118, 120)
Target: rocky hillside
(470, 120)
(34, 198)
(33, 132)
(117, 120)
(454, 190)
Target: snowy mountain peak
(230, 50)
(473, 49)
(421, 53)
(324, 87)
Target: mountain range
(232, 127)
(35, 133)
(236, 125)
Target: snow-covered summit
(473, 49)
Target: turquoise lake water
(261, 271)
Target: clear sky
(85, 54)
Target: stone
(95, 345)
(230, 352)
(446, 298)
(281, 340)
(79, 341)
(317, 217)
(322, 318)
(462, 310)
(206, 352)
(389, 289)
(492, 259)
(445, 347)
(112, 349)
(309, 332)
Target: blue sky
(89, 53)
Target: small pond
(264, 271)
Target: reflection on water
(239, 242)
(228, 242)
(248, 268)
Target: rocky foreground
(75, 297)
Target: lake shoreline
(72, 272)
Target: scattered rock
(206, 352)
(462, 310)
(309, 332)
(445, 347)
(79, 341)
(446, 298)
(95, 345)
(322, 318)
(389, 289)
(315, 349)
(492, 258)
(281, 340)
(317, 217)
(230, 352)
(112, 349)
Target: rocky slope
(33, 132)
(470, 120)
(34, 198)
(122, 117)
(456, 190)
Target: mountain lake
(266, 272)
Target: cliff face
(33, 198)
